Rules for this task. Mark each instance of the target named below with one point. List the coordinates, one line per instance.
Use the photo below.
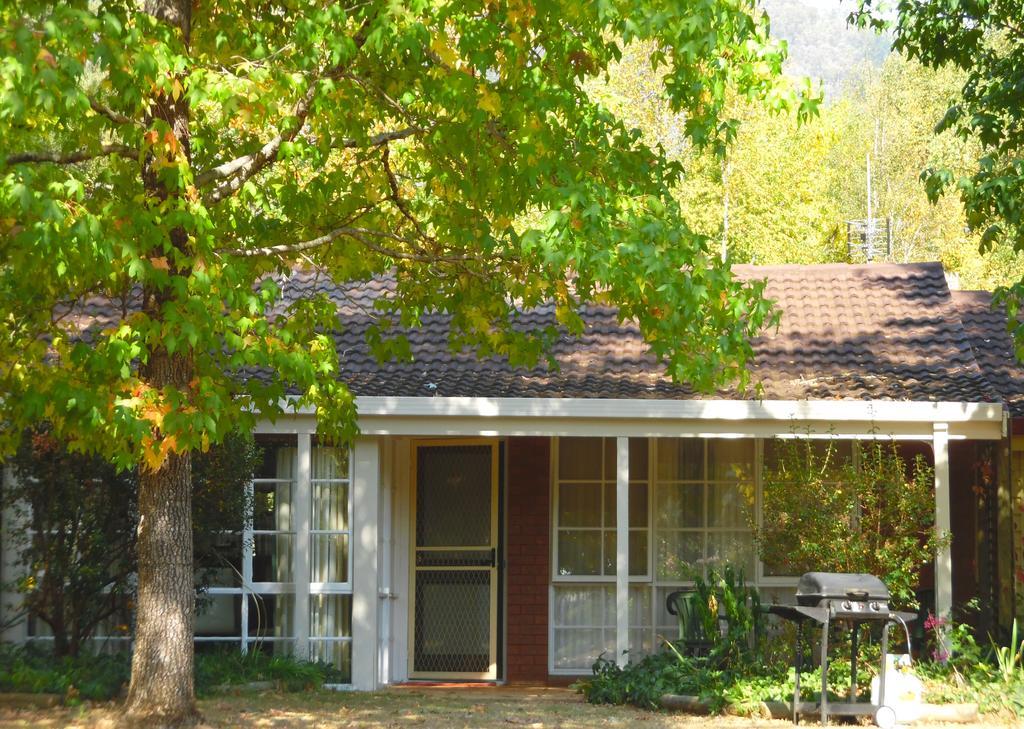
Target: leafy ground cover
(742, 665)
(103, 677)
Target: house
(503, 524)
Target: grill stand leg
(798, 664)
(885, 653)
(853, 662)
(824, 674)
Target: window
(252, 604)
(330, 600)
(268, 551)
(330, 631)
(703, 503)
(583, 617)
(330, 533)
(585, 514)
(690, 502)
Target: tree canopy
(181, 159)
(410, 138)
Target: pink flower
(934, 622)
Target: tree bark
(162, 691)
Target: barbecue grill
(829, 597)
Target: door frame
(495, 445)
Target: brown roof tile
(879, 331)
(847, 332)
(993, 346)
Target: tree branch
(240, 165)
(361, 235)
(396, 198)
(71, 158)
(115, 116)
(236, 172)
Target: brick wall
(528, 551)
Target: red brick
(528, 554)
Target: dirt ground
(505, 708)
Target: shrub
(234, 668)
(727, 596)
(823, 513)
(101, 677)
(86, 676)
(74, 531)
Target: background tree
(180, 159)
(786, 190)
(74, 525)
(984, 41)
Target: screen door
(455, 574)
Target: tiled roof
(876, 331)
(880, 331)
(993, 346)
(862, 332)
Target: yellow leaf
(440, 46)
(520, 12)
(155, 415)
(154, 458)
(46, 57)
(489, 101)
(176, 89)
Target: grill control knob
(875, 606)
(846, 605)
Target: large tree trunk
(162, 691)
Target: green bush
(963, 670)
(234, 668)
(742, 667)
(30, 669)
(741, 688)
(823, 512)
(87, 676)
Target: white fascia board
(880, 411)
(452, 416)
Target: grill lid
(817, 586)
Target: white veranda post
(365, 494)
(300, 554)
(622, 551)
(944, 558)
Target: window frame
(602, 483)
(249, 590)
(704, 530)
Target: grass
(398, 709)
